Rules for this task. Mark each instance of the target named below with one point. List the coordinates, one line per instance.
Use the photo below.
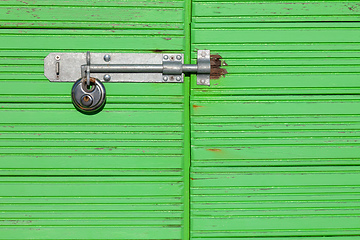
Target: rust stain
(216, 72)
(197, 106)
(214, 150)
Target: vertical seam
(187, 122)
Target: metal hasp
(126, 67)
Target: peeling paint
(214, 150)
(216, 72)
(197, 106)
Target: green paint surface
(275, 151)
(269, 151)
(119, 174)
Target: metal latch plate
(65, 67)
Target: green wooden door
(118, 174)
(274, 151)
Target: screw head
(107, 77)
(178, 57)
(57, 57)
(166, 57)
(107, 58)
(165, 78)
(178, 78)
(203, 54)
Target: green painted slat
(93, 222)
(39, 54)
(91, 232)
(277, 153)
(273, 46)
(89, 25)
(111, 99)
(172, 216)
(99, 128)
(27, 87)
(278, 35)
(253, 11)
(293, 120)
(282, 129)
(98, 149)
(94, 13)
(69, 116)
(85, 207)
(249, 69)
(284, 83)
(103, 3)
(268, 135)
(166, 202)
(95, 136)
(52, 43)
(88, 143)
(278, 26)
(238, 108)
(89, 186)
(92, 32)
(313, 141)
(110, 106)
(305, 62)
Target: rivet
(178, 78)
(203, 54)
(178, 57)
(165, 78)
(57, 57)
(202, 81)
(107, 58)
(166, 57)
(107, 77)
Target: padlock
(88, 99)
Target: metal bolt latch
(87, 70)
(126, 67)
